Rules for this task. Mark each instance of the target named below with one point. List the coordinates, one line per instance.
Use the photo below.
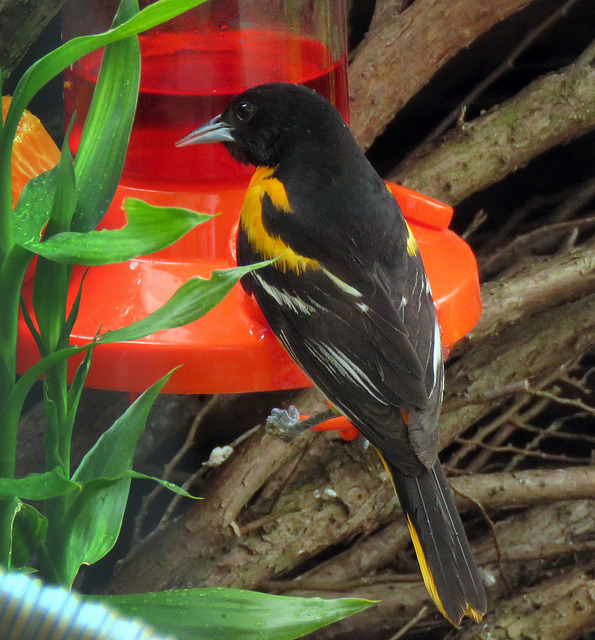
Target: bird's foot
(285, 424)
(362, 444)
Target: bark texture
(551, 111)
(21, 22)
(399, 58)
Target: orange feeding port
(191, 69)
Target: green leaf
(149, 229)
(99, 484)
(53, 437)
(56, 61)
(191, 301)
(10, 508)
(28, 533)
(76, 388)
(37, 486)
(33, 208)
(12, 272)
(233, 614)
(6, 378)
(96, 485)
(92, 522)
(112, 454)
(64, 197)
(102, 147)
(50, 286)
(72, 314)
(51, 65)
(164, 483)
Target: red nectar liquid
(188, 78)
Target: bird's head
(261, 124)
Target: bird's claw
(362, 443)
(284, 424)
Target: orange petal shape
(33, 152)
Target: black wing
(371, 345)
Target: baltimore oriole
(349, 299)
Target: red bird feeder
(191, 68)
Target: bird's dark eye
(245, 111)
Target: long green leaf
(50, 289)
(98, 484)
(33, 208)
(190, 302)
(164, 483)
(56, 61)
(233, 614)
(149, 229)
(112, 454)
(93, 520)
(75, 390)
(9, 509)
(102, 147)
(72, 314)
(37, 486)
(50, 286)
(12, 272)
(64, 195)
(51, 65)
(29, 529)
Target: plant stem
(12, 272)
(5, 197)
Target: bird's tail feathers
(440, 543)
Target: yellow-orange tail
(441, 545)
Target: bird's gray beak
(214, 130)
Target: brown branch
(396, 61)
(170, 467)
(420, 615)
(481, 87)
(521, 411)
(508, 227)
(528, 243)
(555, 529)
(527, 488)
(497, 425)
(545, 282)
(578, 199)
(570, 402)
(527, 453)
(492, 491)
(560, 608)
(532, 348)
(384, 11)
(482, 459)
(206, 528)
(21, 22)
(552, 110)
(558, 433)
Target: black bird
(349, 299)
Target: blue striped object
(31, 611)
